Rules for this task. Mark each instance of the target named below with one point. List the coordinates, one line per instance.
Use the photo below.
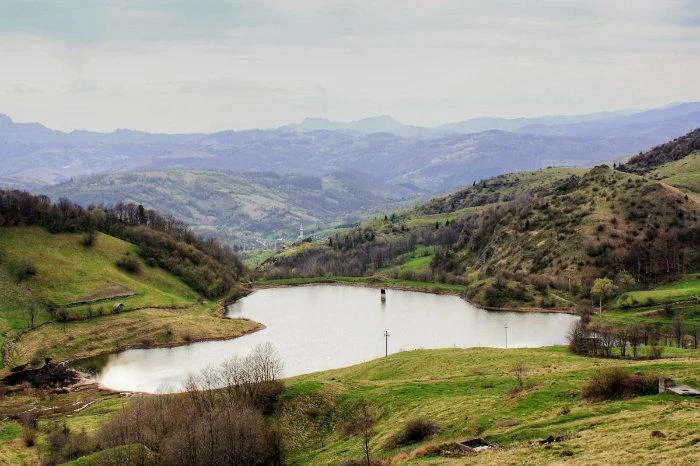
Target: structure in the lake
(383, 294)
(670, 386)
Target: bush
(65, 445)
(27, 268)
(129, 263)
(578, 338)
(614, 383)
(88, 239)
(415, 430)
(360, 462)
(28, 436)
(655, 351)
(207, 426)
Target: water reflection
(328, 326)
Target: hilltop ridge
(510, 238)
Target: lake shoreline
(447, 314)
(417, 288)
(98, 353)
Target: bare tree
(519, 370)
(621, 339)
(677, 327)
(31, 311)
(362, 426)
(578, 338)
(607, 339)
(635, 336)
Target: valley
(249, 211)
(349, 233)
(253, 189)
(608, 252)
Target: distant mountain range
(386, 124)
(373, 162)
(448, 157)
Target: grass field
(658, 306)
(468, 393)
(684, 174)
(688, 288)
(162, 309)
(69, 272)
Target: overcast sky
(198, 65)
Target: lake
(322, 327)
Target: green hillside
(538, 240)
(467, 393)
(668, 152)
(509, 239)
(475, 393)
(70, 274)
(683, 174)
(82, 285)
(248, 210)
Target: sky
(208, 65)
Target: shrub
(29, 422)
(360, 462)
(207, 426)
(655, 351)
(27, 268)
(414, 430)
(29, 419)
(494, 296)
(614, 383)
(129, 263)
(578, 338)
(28, 436)
(88, 239)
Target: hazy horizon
(193, 66)
(367, 117)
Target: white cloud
(201, 66)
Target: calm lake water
(330, 326)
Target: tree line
(203, 263)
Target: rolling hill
(510, 238)
(70, 288)
(247, 210)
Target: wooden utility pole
(386, 343)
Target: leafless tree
(362, 425)
(31, 311)
(622, 339)
(635, 336)
(606, 336)
(677, 327)
(519, 370)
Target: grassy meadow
(685, 289)
(683, 174)
(468, 393)
(86, 282)
(472, 393)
